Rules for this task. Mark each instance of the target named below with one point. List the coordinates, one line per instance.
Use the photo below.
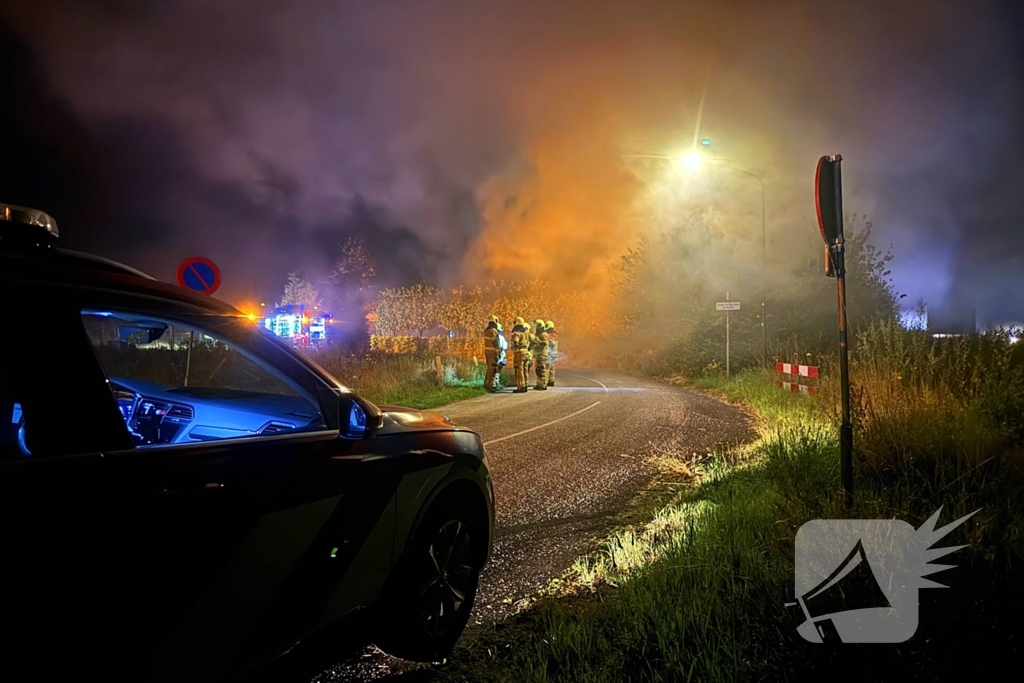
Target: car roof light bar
(26, 216)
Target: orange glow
(305, 320)
(567, 221)
(569, 212)
(250, 311)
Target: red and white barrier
(798, 372)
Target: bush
(397, 345)
(461, 347)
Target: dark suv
(184, 497)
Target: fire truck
(302, 325)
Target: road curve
(562, 461)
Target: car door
(251, 535)
(262, 535)
(58, 508)
(194, 557)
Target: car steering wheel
(124, 395)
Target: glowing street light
(692, 160)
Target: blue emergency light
(297, 323)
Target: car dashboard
(157, 415)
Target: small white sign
(727, 306)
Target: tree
(421, 308)
(354, 270)
(299, 291)
(408, 310)
(464, 309)
(805, 302)
(669, 283)
(631, 286)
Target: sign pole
(727, 339)
(846, 429)
(828, 190)
(726, 306)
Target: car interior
(175, 384)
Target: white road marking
(546, 424)
(603, 385)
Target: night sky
(464, 141)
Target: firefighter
(502, 357)
(520, 342)
(539, 347)
(529, 352)
(549, 327)
(491, 348)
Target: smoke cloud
(468, 141)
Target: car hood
(399, 419)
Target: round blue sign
(199, 274)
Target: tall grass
(698, 592)
(983, 374)
(406, 380)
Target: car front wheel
(435, 587)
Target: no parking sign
(199, 274)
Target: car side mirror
(358, 421)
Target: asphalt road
(563, 460)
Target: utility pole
(764, 286)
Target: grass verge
(403, 380)
(423, 397)
(698, 592)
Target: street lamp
(692, 160)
